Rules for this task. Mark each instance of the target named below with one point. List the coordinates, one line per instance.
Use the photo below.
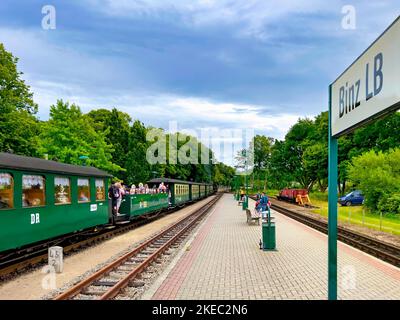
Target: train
(42, 200)
(298, 196)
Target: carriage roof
(17, 162)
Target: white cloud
(159, 109)
(251, 15)
(193, 114)
(55, 72)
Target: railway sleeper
(94, 291)
(135, 283)
(103, 283)
(148, 251)
(82, 296)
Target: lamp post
(237, 187)
(246, 197)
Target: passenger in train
(121, 194)
(83, 197)
(25, 202)
(141, 188)
(162, 188)
(114, 195)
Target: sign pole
(332, 208)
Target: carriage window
(6, 191)
(33, 191)
(83, 190)
(62, 190)
(100, 190)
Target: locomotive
(299, 196)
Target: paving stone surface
(225, 262)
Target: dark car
(353, 198)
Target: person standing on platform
(263, 203)
(242, 194)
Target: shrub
(378, 176)
(390, 204)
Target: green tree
(287, 160)
(70, 134)
(18, 127)
(137, 168)
(115, 125)
(19, 133)
(14, 93)
(377, 174)
(315, 160)
(262, 158)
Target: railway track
(122, 278)
(36, 255)
(382, 250)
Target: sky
(244, 64)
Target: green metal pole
(332, 208)
(246, 197)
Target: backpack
(113, 192)
(116, 192)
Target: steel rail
(122, 283)
(379, 249)
(37, 254)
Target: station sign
(370, 87)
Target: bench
(252, 218)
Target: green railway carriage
(41, 199)
(202, 190)
(180, 193)
(134, 205)
(179, 190)
(194, 191)
(210, 189)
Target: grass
(268, 192)
(357, 215)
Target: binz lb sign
(370, 87)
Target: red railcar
(292, 194)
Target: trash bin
(268, 233)
(268, 236)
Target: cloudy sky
(256, 64)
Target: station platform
(224, 261)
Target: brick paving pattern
(225, 262)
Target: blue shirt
(264, 200)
